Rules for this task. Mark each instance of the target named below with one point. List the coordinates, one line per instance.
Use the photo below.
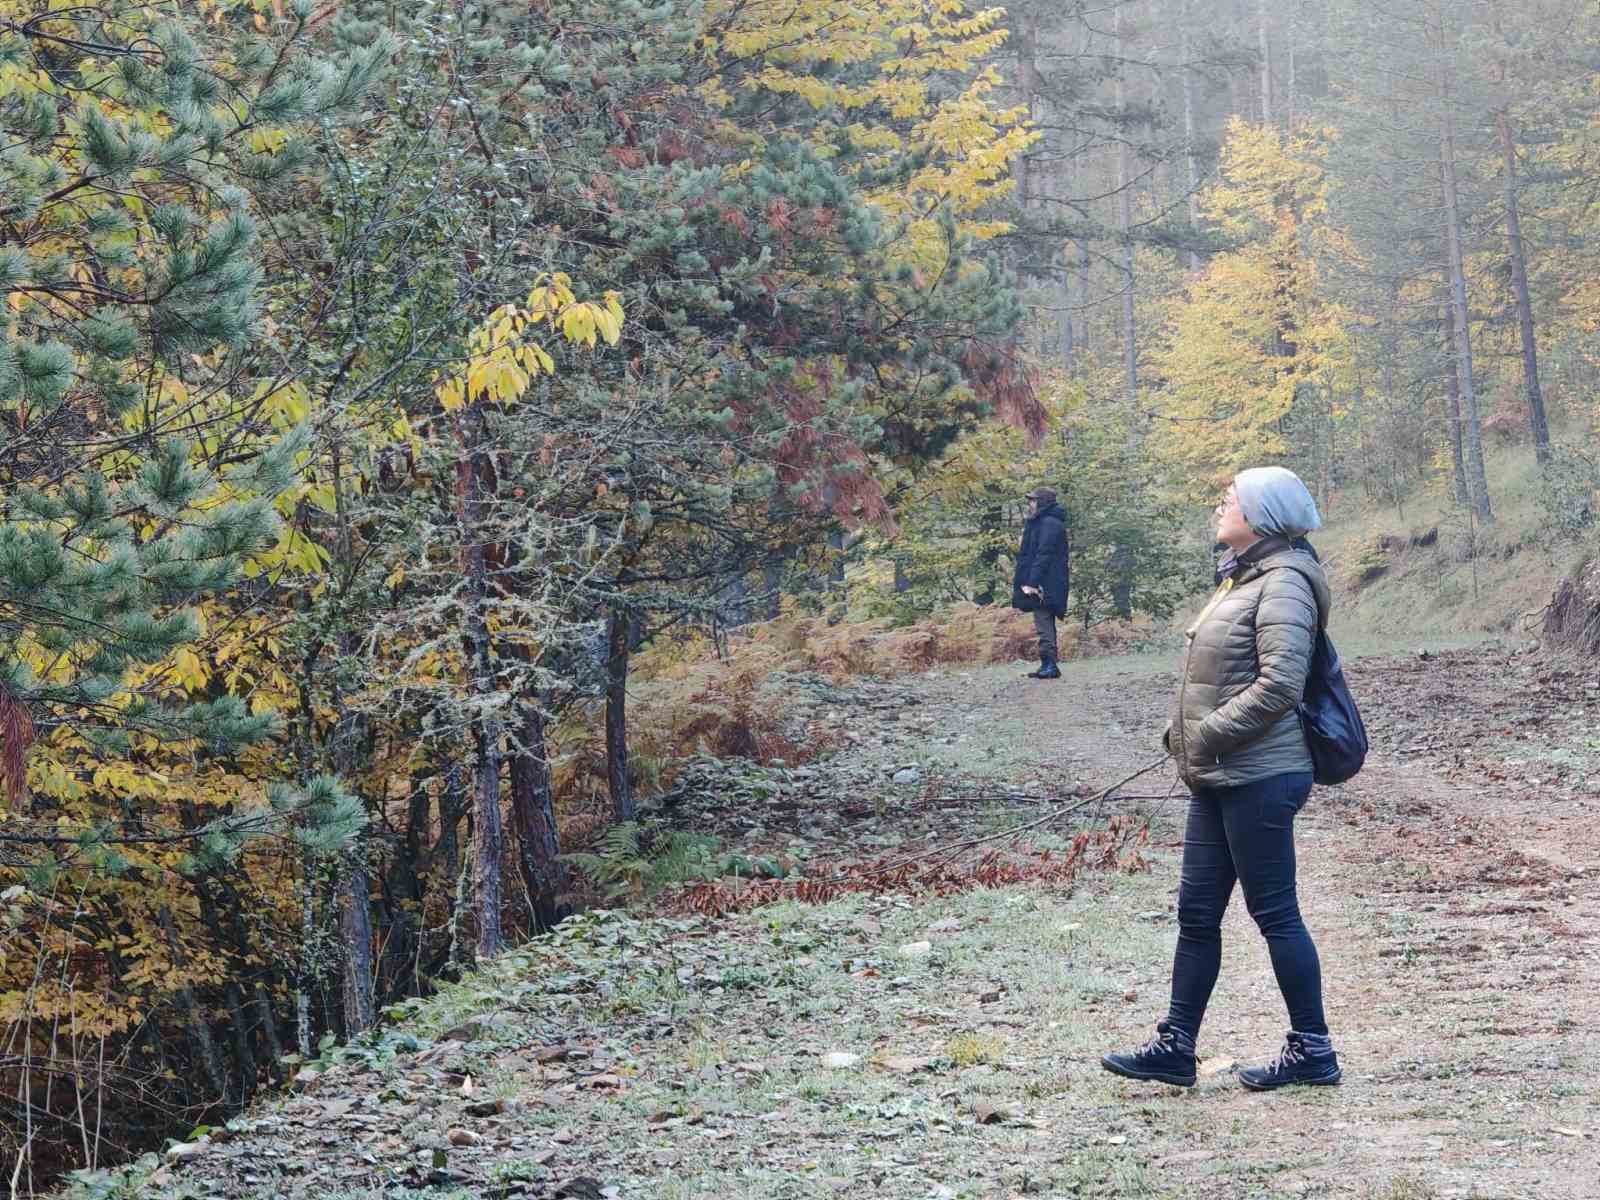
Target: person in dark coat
(1040, 583)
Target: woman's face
(1232, 528)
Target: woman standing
(1040, 582)
(1236, 735)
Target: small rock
(906, 1064)
(305, 1077)
(1130, 995)
(184, 1151)
(907, 775)
(839, 1060)
(992, 1114)
(916, 949)
(464, 1137)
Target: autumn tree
(1254, 336)
(140, 475)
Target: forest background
(385, 390)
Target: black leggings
(1244, 833)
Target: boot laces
(1163, 1041)
(1291, 1055)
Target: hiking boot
(1049, 670)
(1305, 1058)
(1044, 665)
(1168, 1057)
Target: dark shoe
(1168, 1057)
(1049, 670)
(1044, 665)
(1305, 1058)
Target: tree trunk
(617, 636)
(308, 953)
(1085, 263)
(269, 1030)
(1266, 63)
(402, 947)
(1330, 428)
(533, 816)
(1452, 402)
(355, 927)
(1190, 155)
(1130, 353)
(1477, 479)
(205, 1045)
(243, 1052)
(452, 803)
(772, 585)
(355, 913)
(1065, 177)
(487, 840)
(1537, 423)
(1289, 102)
(1472, 431)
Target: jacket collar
(1247, 564)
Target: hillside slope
(1424, 569)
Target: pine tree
(143, 481)
(128, 234)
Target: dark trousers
(1246, 834)
(1044, 624)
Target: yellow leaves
(911, 44)
(48, 776)
(293, 551)
(191, 672)
(1255, 328)
(121, 778)
(503, 360)
(286, 405)
(270, 141)
(320, 495)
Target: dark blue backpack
(1334, 733)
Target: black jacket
(1042, 562)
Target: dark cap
(1045, 496)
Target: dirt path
(947, 1047)
(1454, 890)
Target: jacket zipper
(1222, 590)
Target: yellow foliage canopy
(903, 52)
(1255, 329)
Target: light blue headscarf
(1275, 501)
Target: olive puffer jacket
(1235, 719)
